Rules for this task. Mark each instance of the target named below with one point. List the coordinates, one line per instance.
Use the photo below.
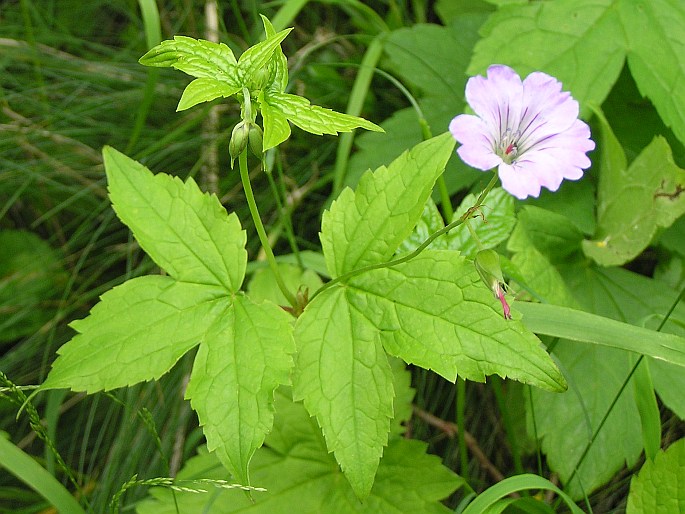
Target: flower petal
(497, 99)
(518, 182)
(477, 144)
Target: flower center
(507, 148)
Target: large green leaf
(343, 376)
(367, 226)
(300, 476)
(659, 488)
(243, 358)
(187, 233)
(136, 332)
(652, 186)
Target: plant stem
(263, 238)
(469, 212)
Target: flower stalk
(263, 238)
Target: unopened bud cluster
(246, 134)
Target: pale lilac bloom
(529, 130)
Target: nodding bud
(488, 267)
(239, 140)
(255, 139)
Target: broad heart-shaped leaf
(137, 332)
(652, 186)
(659, 488)
(196, 57)
(367, 226)
(580, 42)
(656, 42)
(186, 232)
(204, 89)
(299, 475)
(243, 358)
(315, 119)
(344, 378)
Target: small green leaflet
(432, 311)
(140, 329)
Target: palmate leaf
(141, 328)
(246, 354)
(432, 311)
(299, 475)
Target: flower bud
(488, 267)
(239, 140)
(255, 139)
(263, 77)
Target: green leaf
(259, 55)
(263, 285)
(186, 232)
(655, 42)
(367, 226)
(555, 37)
(433, 311)
(276, 126)
(582, 326)
(516, 484)
(315, 119)
(137, 332)
(427, 56)
(566, 422)
(647, 406)
(659, 488)
(196, 57)
(652, 186)
(204, 90)
(343, 376)
(492, 227)
(300, 476)
(25, 467)
(243, 358)
(280, 62)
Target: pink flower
(530, 130)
